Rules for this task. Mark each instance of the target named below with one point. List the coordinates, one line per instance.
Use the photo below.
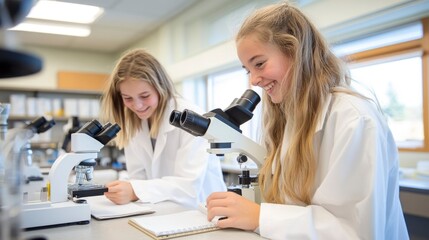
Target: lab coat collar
(145, 138)
(164, 128)
(325, 110)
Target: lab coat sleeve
(185, 185)
(350, 196)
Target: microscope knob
(241, 158)
(246, 179)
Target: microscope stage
(86, 190)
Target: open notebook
(103, 208)
(174, 224)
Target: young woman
(163, 162)
(331, 171)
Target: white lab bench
(414, 192)
(119, 228)
(414, 195)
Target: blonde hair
(314, 72)
(135, 64)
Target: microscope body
(11, 167)
(225, 140)
(84, 148)
(221, 129)
(60, 208)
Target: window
(194, 90)
(225, 86)
(398, 87)
(392, 65)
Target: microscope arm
(84, 147)
(60, 171)
(219, 132)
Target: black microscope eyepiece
(240, 110)
(40, 125)
(194, 122)
(91, 128)
(108, 133)
(175, 118)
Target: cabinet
(414, 195)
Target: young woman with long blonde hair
(331, 171)
(163, 162)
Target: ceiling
(123, 23)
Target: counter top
(119, 228)
(411, 180)
(414, 185)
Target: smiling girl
(331, 170)
(164, 163)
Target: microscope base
(44, 214)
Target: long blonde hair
(135, 64)
(315, 72)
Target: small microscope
(62, 206)
(222, 130)
(11, 166)
(32, 172)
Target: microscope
(31, 171)
(62, 205)
(11, 166)
(222, 130)
(12, 141)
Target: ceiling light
(65, 12)
(53, 28)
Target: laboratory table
(119, 228)
(414, 195)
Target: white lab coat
(179, 169)
(356, 188)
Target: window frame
(421, 45)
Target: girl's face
(266, 64)
(140, 97)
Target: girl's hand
(120, 192)
(239, 212)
